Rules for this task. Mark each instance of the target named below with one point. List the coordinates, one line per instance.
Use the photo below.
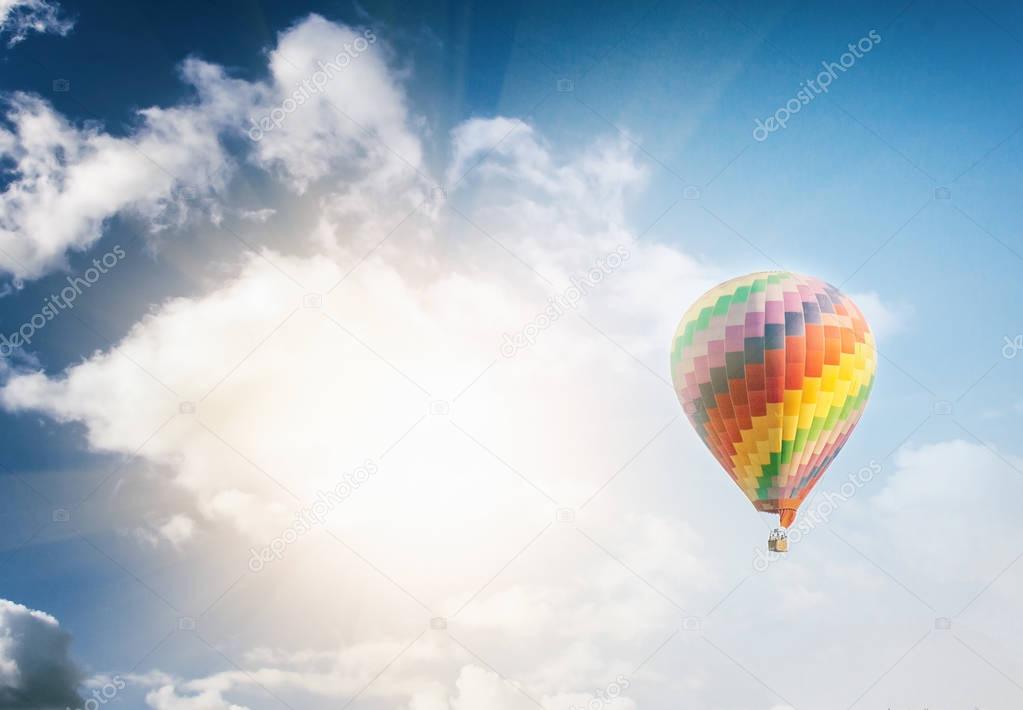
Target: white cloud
(507, 153)
(472, 686)
(475, 688)
(20, 17)
(421, 318)
(336, 109)
(325, 674)
(68, 181)
(167, 698)
(315, 399)
(950, 500)
(454, 296)
(35, 667)
(178, 530)
(885, 318)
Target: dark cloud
(36, 670)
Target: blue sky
(578, 128)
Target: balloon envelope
(773, 370)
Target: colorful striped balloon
(773, 370)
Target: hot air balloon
(773, 370)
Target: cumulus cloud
(167, 698)
(332, 106)
(472, 686)
(324, 674)
(352, 122)
(456, 298)
(178, 530)
(475, 688)
(36, 669)
(67, 181)
(20, 17)
(289, 397)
